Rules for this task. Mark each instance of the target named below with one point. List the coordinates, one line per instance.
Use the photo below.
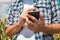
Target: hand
(36, 25)
(24, 15)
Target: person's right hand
(24, 14)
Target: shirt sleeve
(55, 11)
(14, 12)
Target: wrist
(18, 24)
(46, 29)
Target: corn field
(56, 36)
(3, 35)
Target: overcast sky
(4, 4)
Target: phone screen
(35, 14)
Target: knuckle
(28, 23)
(34, 19)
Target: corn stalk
(3, 35)
(56, 36)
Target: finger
(41, 17)
(29, 23)
(27, 20)
(33, 18)
(31, 28)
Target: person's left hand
(36, 25)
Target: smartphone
(35, 14)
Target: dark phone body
(35, 14)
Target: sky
(4, 4)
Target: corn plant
(3, 35)
(56, 36)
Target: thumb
(41, 17)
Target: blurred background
(4, 5)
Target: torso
(26, 33)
